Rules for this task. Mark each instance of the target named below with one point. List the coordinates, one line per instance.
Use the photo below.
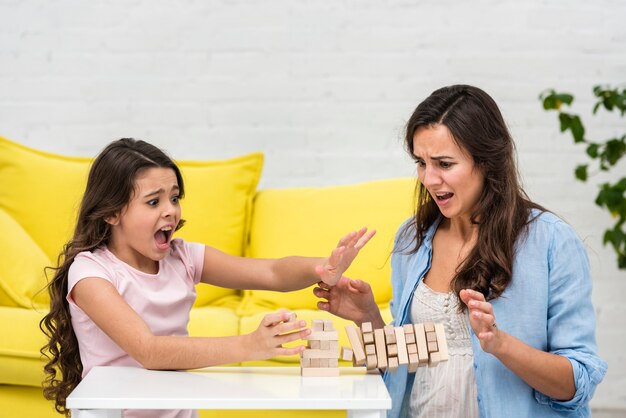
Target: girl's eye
(153, 202)
(175, 199)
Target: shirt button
(475, 365)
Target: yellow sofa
(39, 196)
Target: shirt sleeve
(85, 265)
(571, 317)
(192, 256)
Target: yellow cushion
(310, 221)
(22, 276)
(41, 192)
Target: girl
(124, 287)
(478, 250)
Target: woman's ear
(112, 220)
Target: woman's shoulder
(547, 225)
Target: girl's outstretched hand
(482, 320)
(348, 299)
(343, 255)
(275, 330)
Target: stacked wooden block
(321, 357)
(413, 345)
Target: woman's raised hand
(342, 256)
(348, 299)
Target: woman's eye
(420, 163)
(153, 202)
(444, 164)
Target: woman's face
(447, 171)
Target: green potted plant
(605, 153)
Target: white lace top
(449, 389)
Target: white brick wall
(323, 88)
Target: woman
(477, 251)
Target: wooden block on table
(315, 344)
(305, 362)
(357, 345)
(324, 345)
(314, 353)
(431, 336)
(411, 348)
(322, 335)
(370, 349)
(442, 342)
(429, 327)
(333, 362)
(390, 334)
(317, 325)
(403, 357)
(432, 347)
(320, 372)
(381, 348)
(371, 362)
(420, 340)
(323, 362)
(347, 354)
(366, 327)
(314, 362)
(328, 325)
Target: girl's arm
(282, 274)
(99, 299)
(550, 374)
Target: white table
(105, 391)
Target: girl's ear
(112, 220)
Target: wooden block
(319, 372)
(429, 327)
(357, 346)
(403, 356)
(323, 362)
(370, 349)
(333, 345)
(317, 325)
(381, 348)
(315, 344)
(314, 353)
(292, 317)
(305, 362)
(392, 350)
(392, 364)
(347, 354)
(366, 327)
(371, 362)
(333, 362)
(434, 360)
(442, 342)
(420, 340)
(413, 362)
(431, 336)
(315, 362)
(368, 338)
(324, 345)
(390, 334)
(411, 348)
(432, 347)
(328, 325)
(323, 335)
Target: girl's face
(447, 171)
(142, 231)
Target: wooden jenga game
(321, 357)
(413, 345)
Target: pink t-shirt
(162, 300)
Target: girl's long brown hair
(110, 186)
(504, 209)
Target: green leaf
(581, 172)
(614, 150)
(554, 101)
(592, 150)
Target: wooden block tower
(321, 357)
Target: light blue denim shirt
(547, 305)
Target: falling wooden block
(403, 357)
(431, 336)
(357, 346)
(392, 364)
(429, 327)
(420, 340)
(411, 348)
(413, 362)
(366, 327)
(370, 349)
(442, 342)
(381, 348)
(347, 354)
(371, 362)
(434, 359)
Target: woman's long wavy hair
(110, 187)
(503, 210)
